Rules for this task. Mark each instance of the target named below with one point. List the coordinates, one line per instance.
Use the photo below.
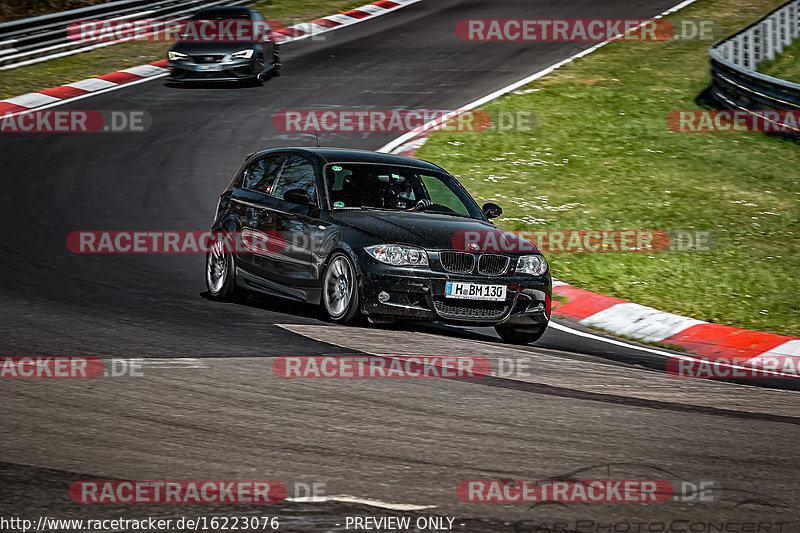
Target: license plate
(205, 68)
(474, 291)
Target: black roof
(346, 155)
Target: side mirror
(298, 196)
(491, 210)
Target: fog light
(383, 297)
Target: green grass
(785, 66)
(602, 157)
(120, 56)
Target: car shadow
(292, 308)
(434, 328)
(245, 84)
(276, 304)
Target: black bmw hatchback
(363, 233)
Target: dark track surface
(399, 441)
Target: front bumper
(418, 293)
(187, 70)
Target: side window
(298, 173)
(260, 176)
(441, 194)
(262, 27)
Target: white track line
(517, 84)
(346, 498)
(576, 332)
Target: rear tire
(518, 336)
(221, 277)
(340, 290)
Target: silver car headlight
(532, 264)
(175, 56)
(397, 255)
(241, 54)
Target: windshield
(396, 188)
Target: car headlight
(532, 264)
(393, 254)
(242, 54)
(174, 56)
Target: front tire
(519, 336)
(276, 61)
(340, 289)
(221, 276)
(258, 80)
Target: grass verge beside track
(603, 157)
(121, 56)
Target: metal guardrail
(735, 82)
(27, 41)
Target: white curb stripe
(342, 19)
(32, 100)
(307, 27)
(371, 9)
(639, 321)
(145, 70)
(92, 84)
(789, 348)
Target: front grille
(207, 59)
(457, 262)
(472, 310)
(493, 265)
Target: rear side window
(260, 176)
(298, 173)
